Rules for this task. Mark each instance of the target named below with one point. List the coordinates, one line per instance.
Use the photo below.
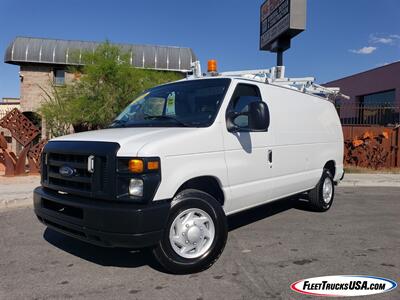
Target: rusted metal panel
(21, 128)
(371, 146)
(6, 157)
(34, 157)
(396, 146)
(24, 132)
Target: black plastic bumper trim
(102, 223)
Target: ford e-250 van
(184, 156)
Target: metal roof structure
(27, 50)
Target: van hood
(132, 140)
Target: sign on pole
(281, 20)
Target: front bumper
(103, 223)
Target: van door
(248, 154)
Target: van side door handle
(270, 157)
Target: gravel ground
(268, 248)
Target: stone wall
(33, 80)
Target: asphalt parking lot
(268, 248)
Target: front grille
(80, 181)
(71, 157)
(81, 186)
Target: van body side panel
(246, 155)
(308, 134)
(184, 156)
(248, 171)
(304, 134)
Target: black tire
(316, 196)
(164, 252)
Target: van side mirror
(257, 118)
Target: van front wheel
(321, 197)
(195, 235)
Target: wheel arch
(208, 184)
(331, 167)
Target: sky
(342, 37)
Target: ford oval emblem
(66, 171)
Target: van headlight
(136, 187)
(138, 178)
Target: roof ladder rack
(276, 76)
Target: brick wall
(33, 79)
(36, 78)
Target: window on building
(59, 77)
(378, 108)
(386, 98)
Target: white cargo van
(185, 155)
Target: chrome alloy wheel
(327, 190)
(192, 233)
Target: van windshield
(193, 103)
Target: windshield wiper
(116, 123)
(163, 117)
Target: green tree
(55, 112)
(107, 84)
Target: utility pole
(279, 58)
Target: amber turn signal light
(153, 165)
(212, 66)
(136, 166)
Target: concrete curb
(17, 191)
(367, 184)
(15, 203)
(371, 180)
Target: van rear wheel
(321, 197)
(195, 235)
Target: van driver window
(242, 97)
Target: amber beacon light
(212, 66)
